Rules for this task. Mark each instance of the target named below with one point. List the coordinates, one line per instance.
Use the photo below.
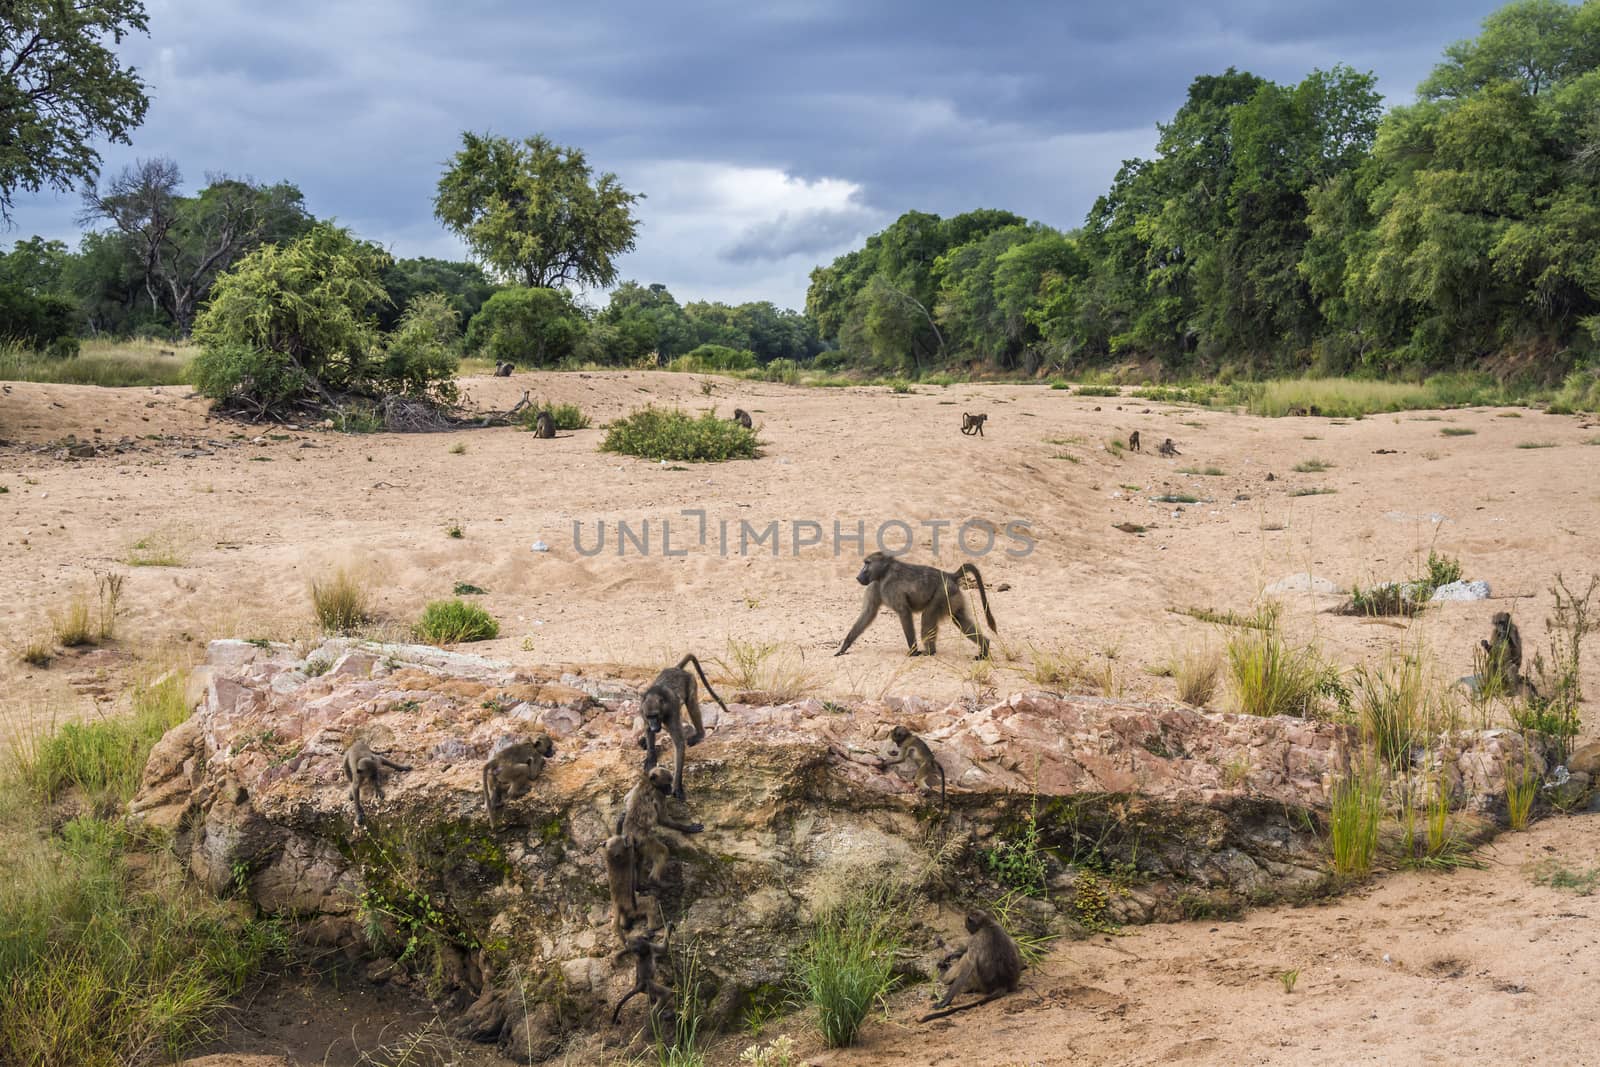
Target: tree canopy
(534, 212)
(61, 87)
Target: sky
(767, 137)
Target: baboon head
(899, 735)
(873, 567)
(661, 778)
(544, 746)
(1501, 620)
(977, 920)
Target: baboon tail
(951, 1011)
(983, 596)
(488, 797)
(703, 679)
(943, 803)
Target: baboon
(622, 874)
(544, 425)
(742, 417)
(1133, 441)
(362, 766)
(645, 953)
(973, 424)
(911, 587)
(643, 811)
(990, 964)
(503, 370)
(663, 704)
(1502, 656)
(1168, 448)
(909, 748)
(509, 773)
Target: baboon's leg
(930, 628)
(910, 629)
(958, 983)
(355, 795)
(969, 626)
(870, 603)
(678, 745)
(691, 707)
(655, 853)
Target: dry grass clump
(767, 667)
(340, 602)
(1196, 672)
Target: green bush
(566, 416)
(289, 323)
(449, 622)
(786, 371)
(44, 323)
(531, 327)
(105, 758)
(847, 964)
(654, 433)
(714, 358)
(420, 358)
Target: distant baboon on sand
(544, 425)
(742, 417)
(503, 370)
(973, 424)
(1133, 441)
(1168, 448)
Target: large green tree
(528, 326)
(61, 87)
(534, 212)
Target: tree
(183, 243)
(529, 327)
(464, 284)
(645, 319)
(61, 87)
(534, 211)
(287, 324)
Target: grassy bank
(107, 954)
(109, 363)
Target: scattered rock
(1586, 760)
(1567, 789)
(1477, 590)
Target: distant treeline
(1286, 227)
(1278, 228)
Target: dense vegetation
(1276, 229)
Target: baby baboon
(1168, 448)
(643, 812)
(1502, 657)
(1133, 441)
(909, 748)
(509, 773)
(663, 704)
(362, 766)
(544, 425)
(646, 956)
(622, 872)
(503, 370)
(911, 587)
(973, 424)
(742, 417)
(990, 964)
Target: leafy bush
(566, 416)
(43, 323)
(531, 327)
(421, 356)
(714, 358)
(786, 371)
(654, 433)
(449, 622)
(847, 964)
(289, 322)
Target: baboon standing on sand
(909, 588)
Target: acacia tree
(60, 87)
(183, 243)
(535, 212)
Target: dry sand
(254, 523)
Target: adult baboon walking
(973, 424)
(908, 588)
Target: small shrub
(154, 550)
(1196, 672)
(449, 622)
(1099, 390)
(1312, 466)
(468, 589)
(1356, 808)
(340, 603)
(780, 1052)
(565, 416)
(73, 626)
(1456, 431)
(848, 964)
(900, 385)
(1271, 678)
(654, 433)
(1442, 570)
(1312, 492)
(36, 650)
(1017, 859)
(1557, 875)
(1536, 444)
(458, 449)
(1176, 498)
(1288, 978)
(1209, 472)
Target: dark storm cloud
(767, 137)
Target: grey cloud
(799, 233)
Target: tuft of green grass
(155, 550)
(73, 625)
(566, 416)
(1176, 498)
(655, 433)
(1099, 390)
(468, 589)
(848, 964)
(1536, 444)
(1272, 678)
(1209, 472)
(1312, 466)
(1288, 978)
(1312, 492)
(1522, 788)
(1392, 703)
(340, 603)
(1456, 431)
(1356, 809)
(1557, 875)
(449, 622)
(1264, 617)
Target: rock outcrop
(1138, 811)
